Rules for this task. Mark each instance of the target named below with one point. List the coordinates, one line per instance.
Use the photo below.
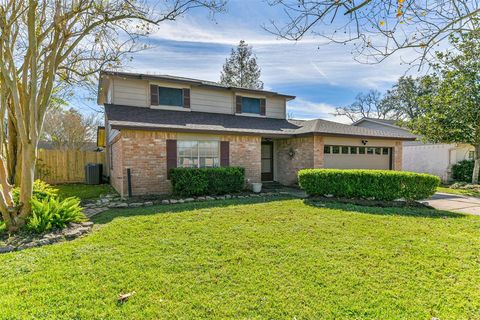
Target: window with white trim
(198, 154)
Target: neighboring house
(155, 123)
(418, 156)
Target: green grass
(463, 192)
(83, 191)
(245, 260)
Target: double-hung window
(250, 105)
(198, 154)
(170, 96)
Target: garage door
(347, 157)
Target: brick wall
(397, 155)
(144, 152)
(245, 151)
(287, 167)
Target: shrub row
(207, 181)
(377, 184)
(463, 170)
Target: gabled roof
(154, 119)
(385, 122)
(326, 127)
(190, 81)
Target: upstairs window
(250, 105)
(170, 97)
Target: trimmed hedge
(463, 170)
(377, 184)
(207, 181)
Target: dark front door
(267, 161)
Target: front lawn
(239, 259)
(463, 192)
(83, 191)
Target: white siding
(216, 101)
(275, 107)
(131, 92)
(436, 159)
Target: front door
(267, 161)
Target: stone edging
(73, 231)
(107, 203)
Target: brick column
(398, 155)
(318, 159)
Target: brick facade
(144, 152)
(302, 150)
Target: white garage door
(346, 157)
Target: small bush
(207, 181)
(463, 170)
(51, 213)
(375, 184)
(41, 191)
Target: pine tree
(241, 68)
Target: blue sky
(321, 76)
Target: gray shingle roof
(146, 118)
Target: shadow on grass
(415, 212)
(107, 216)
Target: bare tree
(366, 105)
(69, 129)
(44, 43)
(378, 28)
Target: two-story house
(155, 123)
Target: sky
(321, 76)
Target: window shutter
(263, 103)
(224, 153)
(186, 98)
(154, 95)
(171, 156)
(238, 104)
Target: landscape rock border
(115, 202)
(23, 241)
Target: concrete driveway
(455, 203)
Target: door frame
(268, 176)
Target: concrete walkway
(455, 203)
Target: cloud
(303, 110)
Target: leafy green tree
(451, 112)
(402, 99)
(46, 43)
(241, 68)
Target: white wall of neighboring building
(436, 159)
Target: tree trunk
(28, 155)
(13, 155)
(476, 167)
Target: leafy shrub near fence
(377, 184)
(207, 181)
(463, 170)
(48, 210)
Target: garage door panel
(357, 161)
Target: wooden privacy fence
(65, 166)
